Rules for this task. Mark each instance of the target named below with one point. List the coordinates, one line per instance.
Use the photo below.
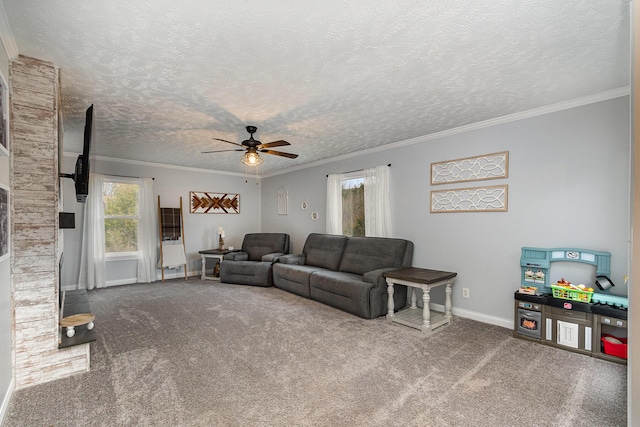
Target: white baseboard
(474, 315)
(121, 282)
(179, 274)
(133, 280)
(5, 402)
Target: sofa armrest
(236, 256)
(376, 277)
(292, 259)
(272, 257)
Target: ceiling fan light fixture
(251, 158)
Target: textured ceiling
(330, 77)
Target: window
(121, 216)
(358, 203)
(353, 223)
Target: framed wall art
(478, 168)
(214, 203)
(4, 222)
(476, 199)
(4, 109)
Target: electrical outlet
(465, 292)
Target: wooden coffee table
(424, 279)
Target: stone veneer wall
(34, 108)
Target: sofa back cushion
(259, 244)
(364, 254)
(324, 250)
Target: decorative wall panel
(477, 199)
(214, 203)
(486, 166)
(283, 201)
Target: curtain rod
(358, 170)
(126, 176)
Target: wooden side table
(211, 253)
(425, 280)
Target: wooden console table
(425, 280)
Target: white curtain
(334, 204)
(92, 264)
(377, 202)
(147, 233)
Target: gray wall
(169, 184)
(6, 365)
(568, 187)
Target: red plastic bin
(614, 349)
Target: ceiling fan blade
(279, 153)
(224, 140)
(279, 143)
(221, 151)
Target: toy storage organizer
(571, 321)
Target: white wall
(170, 184)
(568, 187)
(6, 364)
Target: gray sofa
(252, 264)
(345, 272)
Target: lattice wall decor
(214, 203)
(283, 201)
(487, 166)
(478, 199)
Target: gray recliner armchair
(253, 264)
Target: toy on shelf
(564, 289)
(528, 290)
(605, 297)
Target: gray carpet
(200, 353)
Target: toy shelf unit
(594, 326)
(609, 333)
(569, 326)
(535, 264)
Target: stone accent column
(34, 109)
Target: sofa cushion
(324, 250)
(259, 244)
(345, 291)
(246, 273)
(293, 278)
(364, 254)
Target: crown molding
(161, 165)
(6, 35)
(578, 102)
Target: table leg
(413, 298)
(204, 266)
(426, 311)
(447, 302)
(390, 304)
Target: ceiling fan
(252, 147)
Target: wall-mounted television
(81, 174)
